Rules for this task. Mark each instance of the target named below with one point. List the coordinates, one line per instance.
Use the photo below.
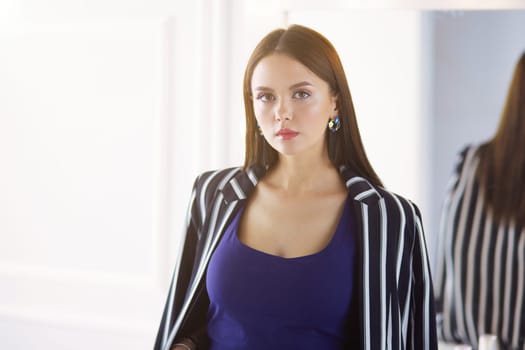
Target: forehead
(278, 69)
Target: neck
(294, 174)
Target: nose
(282, 112)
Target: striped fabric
(395, 293)
(480, 266)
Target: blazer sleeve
(446, 235)
(181, 275)
(422, 332)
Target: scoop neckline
(321, 252)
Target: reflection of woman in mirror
(480, 282)
(301, 248)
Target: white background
(109, 109)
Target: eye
(301, 95)
(265, 97)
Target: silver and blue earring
(334, 124)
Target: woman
(301, 248)
(481, 262)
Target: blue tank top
(262, 301)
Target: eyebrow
(294, 86)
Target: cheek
(262, 112)
(313, 111)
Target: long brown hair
(316, 53)
(502, 160)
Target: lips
(286, 134)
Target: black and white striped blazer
(395, 295)
(480, 266)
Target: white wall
(97, 104)
(109, 110)
(77, 164)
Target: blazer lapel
(228, 200)
(369, 209)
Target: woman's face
(292, 106)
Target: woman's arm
(181, 277)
